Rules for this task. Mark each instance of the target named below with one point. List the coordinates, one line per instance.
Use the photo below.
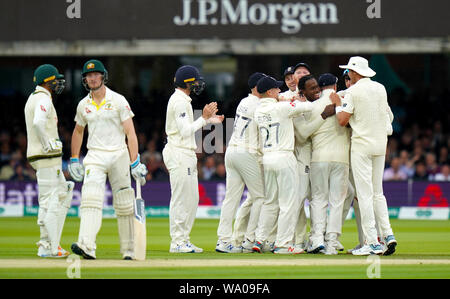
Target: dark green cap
(93, 65)
(46, 73)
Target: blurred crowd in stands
(418, 149)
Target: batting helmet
(188, 76)
(48, 73)
(93, 65)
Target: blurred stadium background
(142, 43)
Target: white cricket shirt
(104, 121)
(180, 124)
(288, 95)
(366, 100)
(39, 111)
(275, 124)
(330, 141)
(245, 129)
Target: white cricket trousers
(329, 183)
(52, 187)
(368, 174)
(182, 166)
(246, 221)
(99, 166)
(281, 180)
(305, 193)
(300, 234)
(243, 169)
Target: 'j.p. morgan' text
(291, 16)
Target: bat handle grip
(138, 190)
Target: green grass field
(423, 252)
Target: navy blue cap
(303, 65)
(266, 83)
(327, 79)
(254, 78)
(290, 70)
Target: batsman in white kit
(108, 117)
(180, 158)
(243, 168)
(281, 175)
(44, 152)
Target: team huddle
(313, 143)
(310, 142)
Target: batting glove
(139, 171)
(76, 169)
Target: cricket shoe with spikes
(195, 248)
(258, 247)
(227, 247)
(368, 250)
(128, 256)
(82, 251)
(247, 246)
(288, 250)
(46, 252)
(390, 243)
(315, 248)
(181, 248)
(268, 246)
(354, 248)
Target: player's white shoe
(258, 247)
(44, 251)
(180, 248)
(354, 248)
(330, 250)
(313, 248)
(227, 247)
(268, 246)
(390, 243)
(128, 255)
(368, 250)
(83, 251)
(195, 248)
(288, 250)
(333, 246)
(247, 246)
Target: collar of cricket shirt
(182, 94)
(269, 100)
(42, 89)
(103, 102)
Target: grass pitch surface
(423, 252)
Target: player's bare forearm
(132, 141)
(343, 118)
(77, 140)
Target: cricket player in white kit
(365, 108)
(329, 169)
(180, 158)
(44, 152)
(108, 117)
(291, 82)
(281, 176)
(243, 168)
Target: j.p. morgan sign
(290, 16)
(72, 20)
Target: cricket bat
(140, 234)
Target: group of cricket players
(310, 142)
